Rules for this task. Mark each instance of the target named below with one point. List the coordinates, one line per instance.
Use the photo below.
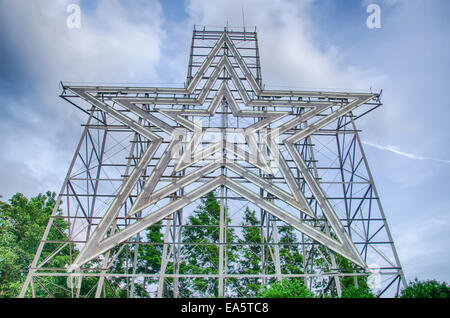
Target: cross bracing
(148, 155)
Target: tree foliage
(354, 292)
(250, 254)
(291, 259)
(149, 257)
(22, 224)
(352, 286)
(287, 288)
(199, 255)
(426, 289)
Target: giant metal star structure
(99, 242)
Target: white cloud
(109, 46)
(116, 43)
(396, 150)
(290, 53)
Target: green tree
(426, 289)
(287, 288)
(291, 259)
(354, 292)
(352, 287)
(148, 261)
(201, 252)
(22, 224)
(250, 254)
(149, 257)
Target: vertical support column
(135, 255)
(221, 242)
(305, 252)
(164, 259)
(178, 237)
(258, 63)
(263, 245)
(222, 206)
(191, 55)
(344, 188)
(177, 254)
(276, 249)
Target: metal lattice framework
(148, 155)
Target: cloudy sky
(310, 44)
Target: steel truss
(148, 155)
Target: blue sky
(303, 44)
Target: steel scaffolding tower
(148, 155)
